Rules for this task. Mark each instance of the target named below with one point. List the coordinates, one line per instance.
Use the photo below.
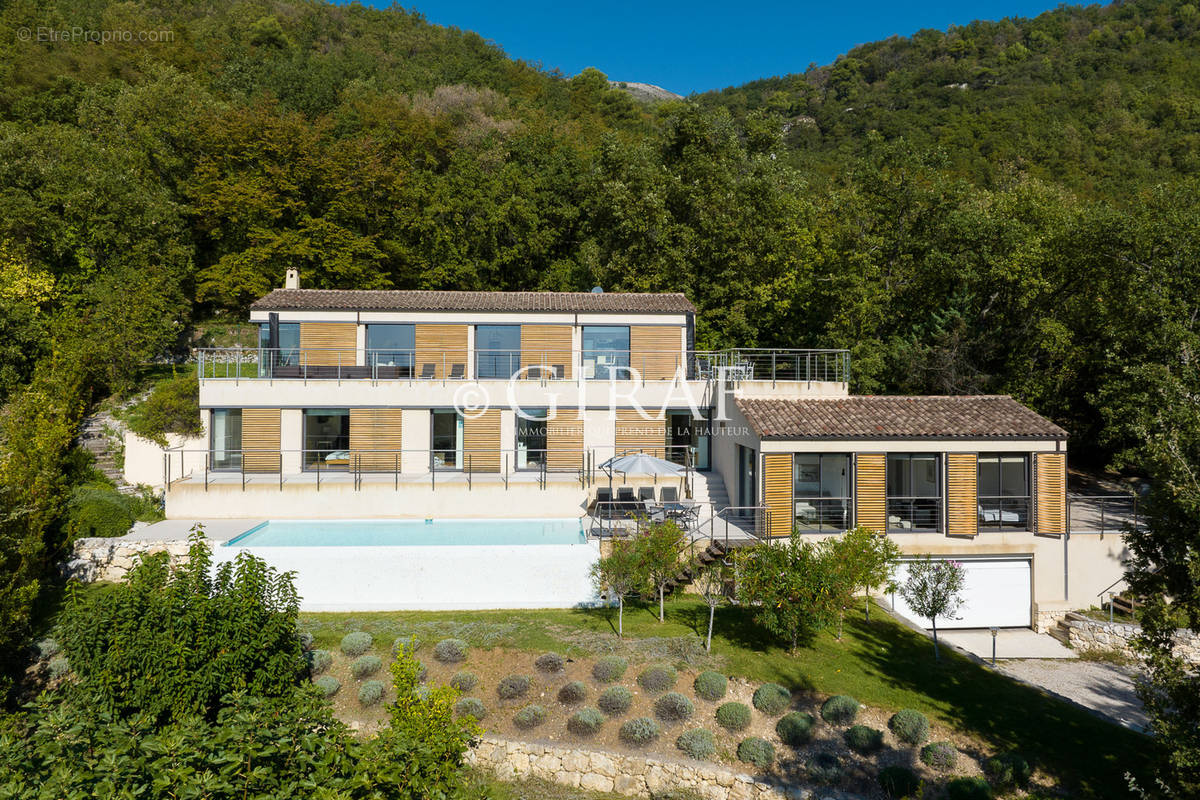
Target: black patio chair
(428, 371)
(669, 494)
(457, 371)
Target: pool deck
(170, 530)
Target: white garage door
(996, 594)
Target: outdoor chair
(626, 502)
(428, 371)
(645, 493)
(604, 502)
(669, 494)
(458, 371)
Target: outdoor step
(1060, 633)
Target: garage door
(996, 593)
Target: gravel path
(1104, 688)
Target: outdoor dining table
(681, 509)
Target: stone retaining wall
(633, 775)
(100, 559)
(1091, 634)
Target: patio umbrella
(639, 464)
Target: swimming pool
(411, 533)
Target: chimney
(292, 281)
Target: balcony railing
(734, 366)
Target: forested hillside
(1035, 232)
(1099, 98)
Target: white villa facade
(433, 405)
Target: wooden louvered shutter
(481, 442)
(375, 438)
(962, 494)
(441, 350)
(777, 492)
(1050, 492)
(870, 491)
(564, 441)
(655, 351)
(547, 346)
(260, 440)
(328, 344)
(635, 434)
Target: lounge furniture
(604, 502)
(428, 371)
(457, 371)
(668, 494)
(626, 502)
(645, 493)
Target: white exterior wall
(291, 438)
(599, 434)
(144, 458)
(416, 435)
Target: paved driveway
(1104, 688)
(1010, 643)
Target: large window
(531, 438)
(225, 434)
(914, 492)
(446, 451)
(821, 491)
(326, 438)
(687, 439)
(1003, 491)
(288, 353)
(605, 352)
(391, 347)
(497, 351)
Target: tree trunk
(621, 617)
(712, 610)
(937, 654)
(867, 605)
(660, 602)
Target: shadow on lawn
(1087, 753)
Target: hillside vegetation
(1006, 207)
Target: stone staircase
(708, 487)
(94, 438)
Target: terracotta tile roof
(878, 417)
(354, 300)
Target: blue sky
(695, 46)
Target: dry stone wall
(1091, 634)
(632, 775)
(97, 559)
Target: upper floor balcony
(739, 367)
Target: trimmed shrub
(370, 693)
(940, 755)
(899, 782)
(756, 751)
(771, 698)
(609, 669)
(47, 648)
(405, 642)
(862, 739)
(615, 700)
(550, 663)
(512, 686)
(464, 681)
(710, 686)
(59, 667)
(910, 727)
(639, 731)
(573, 693)
(585, 722)
(673, 707)
(470, 707)
(697, 743)
(306, 641)
(450, 651)
(968, 789)
(318, 661)
(1007, 770)
(795, 728)
(733, 716)
(365, 666)
(529, 717)
(328, 685)
(824, 768)
(841, 709)
(356, 643)
(658, 678)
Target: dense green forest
(1004, 207)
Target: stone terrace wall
(99, 559)
(632, 775)
(1090, 634)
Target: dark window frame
(819, 502)
(1004, 511)
(913, 507)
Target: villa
(427, 406)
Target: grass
(883, 664)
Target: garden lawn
(882, 663)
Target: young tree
(934, 589)
(620, 574)
(794, 586)
(710, 585)
(868, 560)
(657, 550)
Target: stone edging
(1087, 634)
(633, 775)
(98, 559)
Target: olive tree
(620, 575)
(933, 589)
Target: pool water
(410, 533)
